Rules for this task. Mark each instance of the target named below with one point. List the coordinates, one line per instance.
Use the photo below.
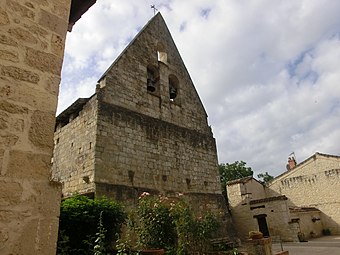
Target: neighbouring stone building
(145, 129)
(32, 38)
(313, 183)
(301, 202)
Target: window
(162, 56)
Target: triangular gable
(127, 76)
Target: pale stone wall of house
(310, 223)
(278, 219)
(314, 183)
(253, 189)
(241, 197)
(240, 211)
(74, 151)
(32, 36)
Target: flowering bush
(157, 228)
(167, 223)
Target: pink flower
(144, 194)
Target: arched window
(173, 87)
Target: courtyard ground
(329, 245)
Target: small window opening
(162, 56)
(90, 145)
(188, 181)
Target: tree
(236, 170)
(233, 171)
(265, 177)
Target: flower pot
(254, 236)
(153, 252)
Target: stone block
(19, 74)
(43, 61)
(57, 45)
(6, 40)
(28, 165)
(41, 129)
(3, 17)
(37, 231)
(10, 193)
(38, 31)
(53, 23)
(9, 55)
(3, 120)
(8, 139)
(21, 10)
(12, 108)
(27, 94)
(23, 35)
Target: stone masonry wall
(140, 151)
(145, 140)
(314, 184)
(74, 151)
(32, 37)
(278, 219)
(240, 211)
(242, 197)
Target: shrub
(167, 223)
(79, 221)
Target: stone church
(144, 129)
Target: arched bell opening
(173, 87)
(152, 78)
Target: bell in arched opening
(152, 78)
(173, 93)
(151, 86)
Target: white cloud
(267, 71)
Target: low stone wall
(259, 246)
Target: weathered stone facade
(145, 129)
(32, 38)
(299, 203)
(314, 183)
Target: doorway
(263, 226)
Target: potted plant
(255, 235)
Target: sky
(267, 71)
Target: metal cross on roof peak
(154, 9)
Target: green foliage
(236, 170)
(79, 219)
(234, 252)
(99, 247)
(157, 229)
(265, 177)
(170, 224)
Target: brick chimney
(291, 163)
